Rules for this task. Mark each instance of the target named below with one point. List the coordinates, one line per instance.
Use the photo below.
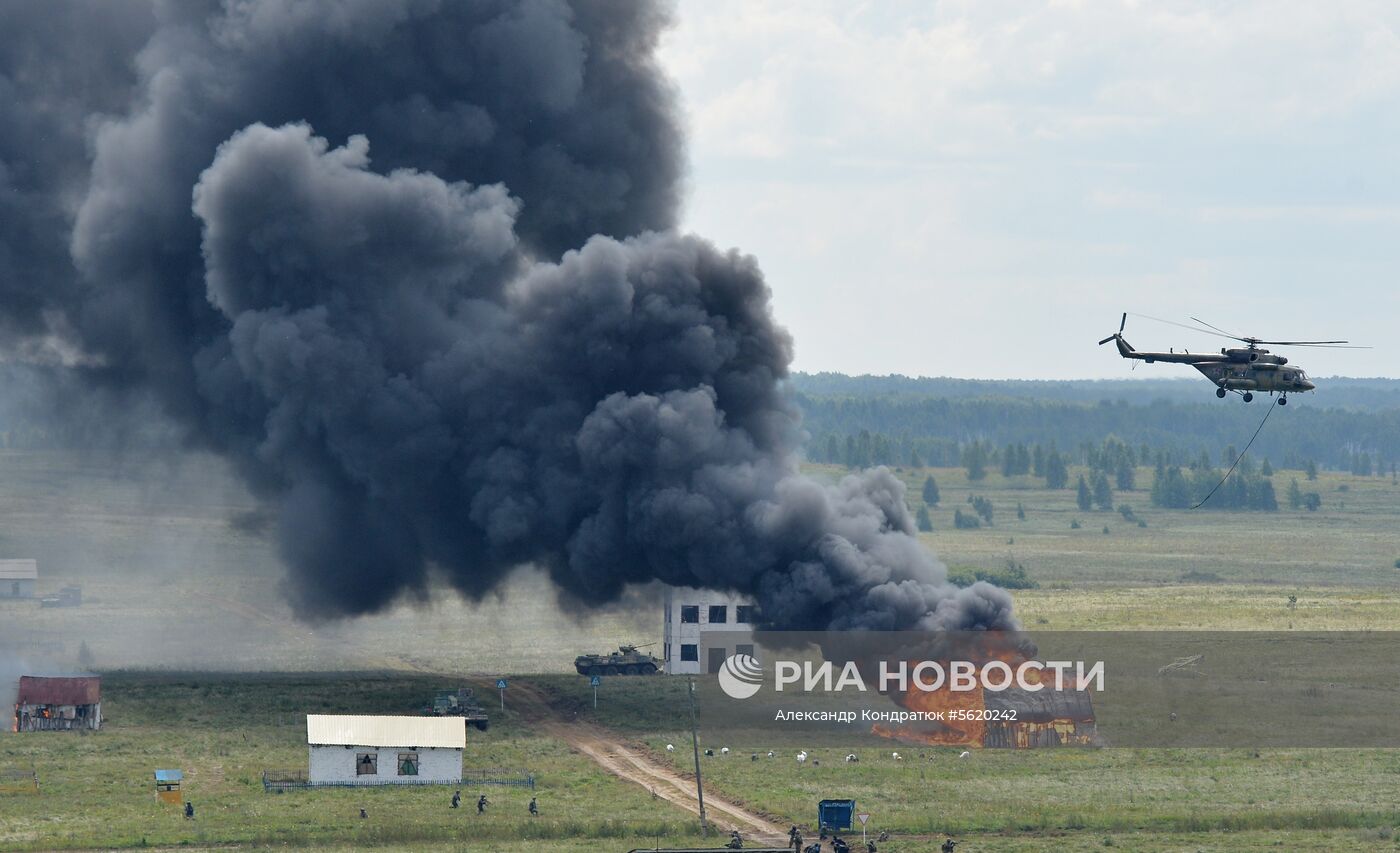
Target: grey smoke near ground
(410, 266)
(11, 668)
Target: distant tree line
(1005, 434)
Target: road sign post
(863, 818)
(501, 685)
(594, 682)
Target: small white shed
(17, 578)
(364, 750)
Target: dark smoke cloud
(51, 96)
(409, 265)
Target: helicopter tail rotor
(1118, 334)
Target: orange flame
(951, 731)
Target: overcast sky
(979, 189)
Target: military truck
(627, 660)
(459, 704)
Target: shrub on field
(1011, 576)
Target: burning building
(1012, 718)
(1041, 718)
(1018, 701)
(58, 703)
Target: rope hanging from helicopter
(1217, 369)
(1257, 430)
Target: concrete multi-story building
(702, 628)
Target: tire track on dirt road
(606, 750)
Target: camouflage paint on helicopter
(1241, 369)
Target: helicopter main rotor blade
(1218, 329)
(1185, 326)
(1107, 339)
(1316, 346)
(1304, 343)
(1123, 322)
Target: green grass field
(207, 669)
(224, 730)
(1187, 569)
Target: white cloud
(921, 179)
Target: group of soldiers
(840, 845)
(482, 803)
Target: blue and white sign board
(501, 683)
(595, 681)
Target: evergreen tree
(930, 491)
(1103, 494)
(1364, 464)
(833, 452)
(1171, 489)
(923, 520)
(1266, 469)
(1261, 495)
(863, 455)
(915, 460)
(975, 459)
(1126, 475)
(1295, 494)
(880, 451)
(1084, 498)
(1020, 512)
(1038, 461)
(1008, 461)
(1311, 470)
(1056, 474)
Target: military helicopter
(1242, 370)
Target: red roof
(43, 690)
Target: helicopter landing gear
(1248, 396)
(1220, 392)
(1282, 400)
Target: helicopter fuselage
(1233, 369)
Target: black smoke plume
(411, 266)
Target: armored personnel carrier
(459, 704)
(627, 660)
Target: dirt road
(632, 764)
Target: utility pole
(695, 745)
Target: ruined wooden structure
(58, 703)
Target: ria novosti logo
(741, 676)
